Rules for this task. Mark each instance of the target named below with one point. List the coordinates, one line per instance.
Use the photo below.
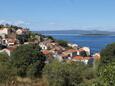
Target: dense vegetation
(27, 61)
(107, 66)
(10, 26)
(7, 72)
(62, 43)
(69, 74)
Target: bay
(95, 42)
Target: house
(38, 38)
(47, 44)
(22, 31)
(51, 45)
(86, 49)
(58, 57)
(26, 43)
(19, 32)
(25, 31)
(4, 42)
(73, 45)
(7, 37)
(43, 46)
(4, 31)
(70, 53)
(45, 52)
(11, 42)
(81, 59)
(8, 42)
(0, 40)
(97, 56)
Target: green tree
(22, 38)
(25, 59)
(4, 57)
(62, 43)
(50, 37)
(107, 66)
(73, 74)
(7, 72)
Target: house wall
(43, 46)
(4, 31)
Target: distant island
(80, 32)
(95, 34)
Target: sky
(59, 14)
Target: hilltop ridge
(81, 32)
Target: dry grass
(27, 82)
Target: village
(57, 43)
(12, 37)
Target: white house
(97, 56)
(87, 49)
(81, 59)
(4, 31)
(19, 32)
(43, 46)
(72, 45)
(11, 42)
(58, 57)
(38, 38)
(4, 41)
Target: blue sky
(59, 14)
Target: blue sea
(96, 42)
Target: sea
(95, 42)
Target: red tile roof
(81, 58)
(45, 52)
(71, 50)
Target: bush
(62, 43)
(64, 74)
(7, 72)
(108, 54)
(50, 37)
(25, 59)
(4, 57)
(107, 65)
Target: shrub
(107, 65)
(7, 72)
(64, 74)
(25, 59)
(62, 43)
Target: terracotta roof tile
(71, 50)
(81, 58)
(45, 52)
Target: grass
(27, 82)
